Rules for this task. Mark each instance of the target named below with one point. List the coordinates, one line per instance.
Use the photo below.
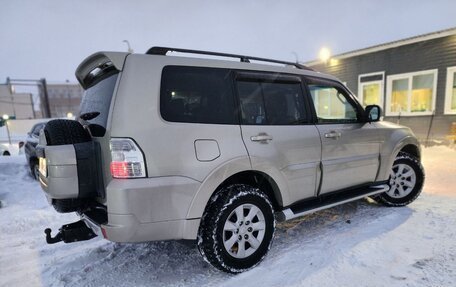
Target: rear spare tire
(63, 132)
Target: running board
(328, 201)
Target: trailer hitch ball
(50, 239)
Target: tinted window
(197, 95)
(264, 103)
(98, 99)
(332, 104)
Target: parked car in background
(30, 145)
(4, 150)
(15, 148)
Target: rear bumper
(149, 209)
(125, 228)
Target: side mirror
(373, 113)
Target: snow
(356, 244)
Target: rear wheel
(406, 181)
(237, 228)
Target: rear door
(277, 131)
(350, 146)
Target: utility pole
(47, 108)
(42, 89)
(10, 89)
(5, 119)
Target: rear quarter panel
(169, 147)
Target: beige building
(19, 105)
(64, 98)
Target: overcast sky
(50, 38)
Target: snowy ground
(357, 244)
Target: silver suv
(172, 147)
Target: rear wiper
(89, 116)
(95, 129)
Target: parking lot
(357, 244)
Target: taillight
(127, 160)
(103, 232)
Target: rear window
(197, 95)
(98, 99)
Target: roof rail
(164, 50)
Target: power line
(15, 103)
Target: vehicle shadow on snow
(310, 243)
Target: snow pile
(356, 244)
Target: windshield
(98, 99)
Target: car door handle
(262, 137)
(332, 135)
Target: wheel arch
(412, 150)
(408, 144)
(32, 159)
(259, 180)
(237, 171)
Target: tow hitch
(73, 232)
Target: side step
(328, 201)
(73, 232)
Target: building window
(450, 95)
(411, 94)
(370, 88)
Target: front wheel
(237, 228)
(406, 181)
(34, 169)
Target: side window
(197, 95)
(271, 103)
(332, 105)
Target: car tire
(237, 228)
(34, 169)
(6, 153)
(406, 181)
(62, 132)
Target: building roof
(393, 44)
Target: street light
(6, 118)
(324, 54)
